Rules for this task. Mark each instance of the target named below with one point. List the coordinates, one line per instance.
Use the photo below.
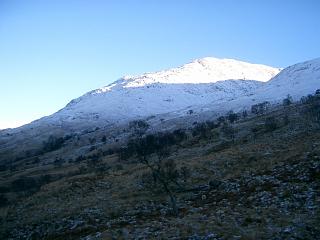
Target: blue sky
(54, 51)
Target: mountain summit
(205, 70)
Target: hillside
(243, 176)
(166, 100)
(240, 162)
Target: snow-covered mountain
(200, 82)
(209, 84)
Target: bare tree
(164, 173)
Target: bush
(44, 179)
(92, 148)
(101, 168)
(67, 137)
(221, 119)
(118, 167)
(245, 114)
(3, 200)
(152, 143)
(201, 130)
(3, 167)
(139, 126)
(270, 124)
(211, 124)
(260, 108)
(232, 117)
(109, 152)
(313, 112)
(287, 101)
(286, 120)
(229, 131)
(307, 99)
(4, 189)
(149, 181)
(179, 135)
(92, 140)
(24, 184)
(125, 153)
(79, 158)
(53, 143)
(184, 173)
(58, 162)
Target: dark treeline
(151, 143)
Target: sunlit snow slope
(202, 81)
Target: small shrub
(260, 108)
(221, 119)
(3, 167)
(67, 137)
(286, 120)
(201, 130)
(307, 99)
(80, 158)
(270, 124)
(312, 112)
(232, 117)
(24, 184)
(245, 114)
(118, 167)
(3, 200)
(58, 162)
(92, 140)
(82, 169)
(287, 101)
(92, 148)
(109, 152)
(53, 143)
(229, 131)
(211, 124)
(185, 173)
(139, 127)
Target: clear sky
(52, 51)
